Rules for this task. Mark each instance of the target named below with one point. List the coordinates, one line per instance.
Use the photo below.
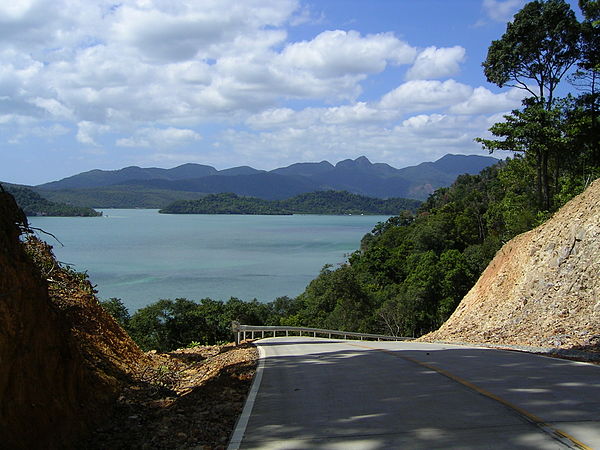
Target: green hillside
(118, 196)
(34, 204)
(321, 202)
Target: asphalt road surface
(312, 393)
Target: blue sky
(88, 84)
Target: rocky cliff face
(62, 358)
(542, 288)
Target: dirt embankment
(542, 289)
(71, 377)
(62, 359)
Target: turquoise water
(141, 256)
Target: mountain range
(154, 187)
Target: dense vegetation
(411, 271)
(322, 202)
(118, 196)
(34, 204)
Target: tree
(167, 325)
(587, 79)
(115, 307)
(539, 46)
(537, 132)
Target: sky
(94, 84)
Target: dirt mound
(191, 399)
(63, 360)
(542, 288)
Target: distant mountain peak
(358, 176)
(361, 161)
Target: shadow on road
(346, 394)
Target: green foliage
(34, 204)
(224, 204)
(169, 324)
(118, 196)
(116, 308)
(539, 132)
(321, 202)
(538, 48)
(408, 277)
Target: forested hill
(34, 204)
(322, 202)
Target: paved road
(329, 394)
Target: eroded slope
(542, 288)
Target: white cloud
(483, 101)
(271, 118)
(341, 53)
(179, 31)
(160, 138)
(425, 95)
(436, 62)
(87, 132)
(431, 135)
(152, 73)
(501, 11)
(55, 108)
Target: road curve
(312, 393)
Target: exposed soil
(542, 289)
(71, 377)
(63, 359)
(190, 398)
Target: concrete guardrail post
(235, 327)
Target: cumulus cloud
(55, 108)
(87, 132)
(436, 62)
(150, 74)
(501, 11)
(432, 135)
(425, 94)
(483, 101)
(339, 53)
(160, 138)
(185, 30)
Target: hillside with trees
(33, 204)
(323, 202)
(413, 270)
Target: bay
(141, 256)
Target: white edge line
(240, 427)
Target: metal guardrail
(241, 332)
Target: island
(320, 202)
(33, 204)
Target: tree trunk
(544, 182)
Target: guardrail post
(287, 333)
(235, 327)
(314, 334)
(263, 333)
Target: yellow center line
(529, 416)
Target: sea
(141, 256)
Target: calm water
(141, 256)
